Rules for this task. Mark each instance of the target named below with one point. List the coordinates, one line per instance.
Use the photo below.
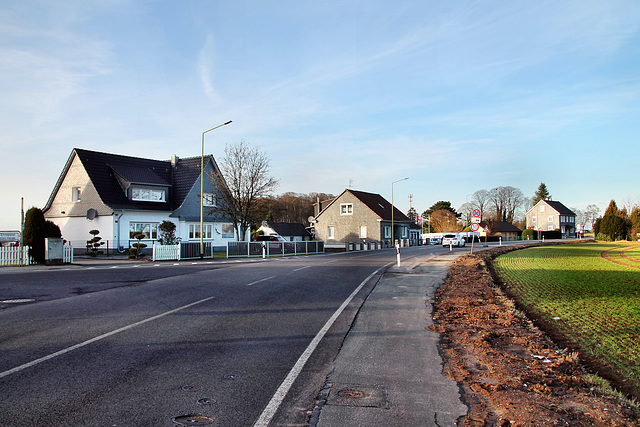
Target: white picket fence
(14, 255)
(166, 252)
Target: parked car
(434, 241)
(453, 240)
(269, 238)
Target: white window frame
(76, 194)
(550, 218)
(194, 231)
(550, 228)
(387, 231)
(346, 208)
(362, 232)
(228, 231)
(142, 194)
(331, 232)
(541, 208)
(150, 229)
(534, 219)
(209, 199)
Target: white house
(119, 195)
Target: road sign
(476, 213)
(475, 226)
(475, 220)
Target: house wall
(546, 217)
(347, 227)
(63, 204)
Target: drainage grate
(360, 395)
(192, 420)
(206, 401)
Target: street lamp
(393, 241)
(202, 189)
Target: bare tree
(506, 202)
(480, 199)
(245, 179)
(591, 213)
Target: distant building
(549, 215)
(292, 232)
(360, 216)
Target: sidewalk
(389, 370)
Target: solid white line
(98, 338)
(261, 280)
(275, 402)
(302, 268)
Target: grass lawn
(589, 292)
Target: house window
(346, 209)
(147, 195)
(209, 199)
(541, 208)
(149, 229)
(550, 219)
(331, 232)
(534, 219)
(75, 194)
(227, 231)
(363, 232)
(194, 231)
(550, 227)
(387, 231)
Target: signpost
(475, 225)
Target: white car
(453, 240)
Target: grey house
(120, 195)
(356, 216)
(549, 215)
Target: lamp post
(393, 240)
(202, 189)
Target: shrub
(93, 244)
(36, 229)
(136, 250)
(168, 233)
(529, 234)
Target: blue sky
(457, 96)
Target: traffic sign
(476, 213)
(475, 226)
(475, 220)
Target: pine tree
(542, 193)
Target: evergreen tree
(542, 193)
(36, 229)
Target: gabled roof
(112, 174)
(289, 228)
(556, 206)
(378, 204)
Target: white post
(500, 240)
(398, 255)
(450, 245)
(264, 250)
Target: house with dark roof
(290, 231)
(356, 216)
(549, 215)
(503, 229)
(120, 195)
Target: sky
(456, 96)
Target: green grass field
(589, 292)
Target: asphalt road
(161, 344)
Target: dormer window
(147, 194)
(75, 194)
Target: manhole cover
(190, 388)
(353, 394)
(192, 420)
(206, 401)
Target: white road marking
(275, 402)
(261, 280)
(98, 338)
(302, 268)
